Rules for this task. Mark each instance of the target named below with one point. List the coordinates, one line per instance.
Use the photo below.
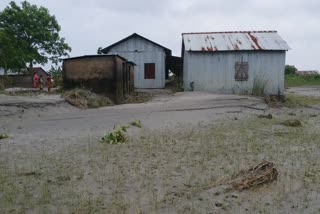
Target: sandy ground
(313, 91)
(49, 115)
(53, 161)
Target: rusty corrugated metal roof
(234, 41)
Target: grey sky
(86, 25)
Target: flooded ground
(190, 146)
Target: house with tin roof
(151, 59)
(234, 62)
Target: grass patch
(259, 85)
(136, 123)
(292, 123)
(301, 80)
(138, 97)
(299, 101)
(268, 116)
(170, 171)
(4, 136)
(175, 84)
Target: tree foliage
(29, 35)
(290, 69)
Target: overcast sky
(88, 24)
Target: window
(241, 71)
(149, 71)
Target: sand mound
(82, 98)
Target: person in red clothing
(35, 80)
(49, 83)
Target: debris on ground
(3, 136)
(269, 116)
(136, 123)
(263, 173)
(116, 136)
(274, 101)
(138, 97)
(292, 123)
(82, 98)
(36, 174)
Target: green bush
(56, 73)
(300, 80)
(3, 136)
(136, 123)
(290, 69)
(117, 136)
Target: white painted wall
(215, 71)
(140, 52)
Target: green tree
(290, 69)
(29, 35)
(10, 57)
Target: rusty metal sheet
(234, 41)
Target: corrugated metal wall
(215, 71)
(140, 52)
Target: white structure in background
(150, 58)
(232, 62)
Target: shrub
(56, 74)
(290, 69)
(3, 136)
(136, 123)
(117, 136)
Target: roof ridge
(259, 31)
(106, 49)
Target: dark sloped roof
(100, 55)
(107, 49)
(37, 69)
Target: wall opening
(241, 71)
(149, 71)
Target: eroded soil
(190, 146)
